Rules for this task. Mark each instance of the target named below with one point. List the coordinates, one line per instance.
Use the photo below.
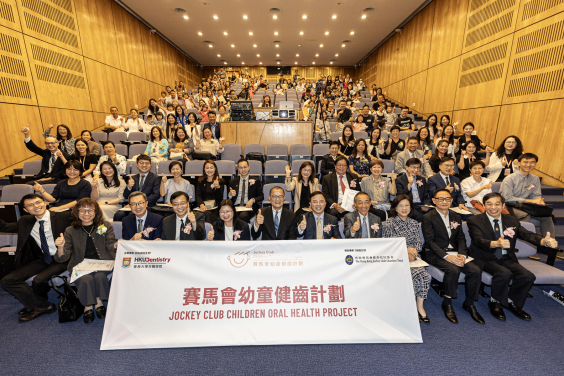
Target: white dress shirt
(447, 225)
(469, 185)
(48, 233)
(228, 234)
(114, 122)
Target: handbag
(69, 307)
(536, 210)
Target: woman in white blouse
(208, 143)
(118, 160)
(135, 123)
(108, 190)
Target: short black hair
(242, 160)
(143, 157)
(341, 158)
(477, 163)
(412, 161)
(528, 156)
(445, 159)
(335, 143)
(492, 195)
(441, 190)
(315, 193)
(361, 193)
(412, 138)
(177, 194)
(395, 128)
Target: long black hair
(516, 152)
(219, 224)
(115, 179)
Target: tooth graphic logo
(239, 259)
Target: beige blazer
(292, 184)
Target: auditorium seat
(412, 133)
(335, 136)
(117, 137)
(287, 195)
(49, 188)
(300, 151)
(319, 150)
(137, 137)
(254, 148)
(359, 135)
(403, 135)
(11, 196)
(99, 136)
(121, 149)
(296, 164)
(389, 166)
(226, 169)
(232, 152)
(29, 170)
(162, 168)
(277, 152)
(275, 171)
(255, 168)
(193, 170)
(117, 229)
(385, 135)
(136, 149)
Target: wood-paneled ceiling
(321, 41)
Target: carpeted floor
(514, 347)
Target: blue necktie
(276, 222)
(44, 246)
(364, 229)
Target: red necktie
(342, 185)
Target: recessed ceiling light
(245, 17)
(278, 62)
(316, 55)
(218, 55)
(297, 54)
(304, 16)
(276, 33)
(243, 62)
(363, 16)
(275, 16)
(225, 33)
(260, 62)
(320, 45)
(232, 45)
(301, 33)
(185, 17)
(331, 63)
(199, 33)
(250, 33)
(342, 45)
(258, 55)
(296, 62)
(277, 55)
(336, 54)
(326, 33)
(313, 62)
(225, 62)
(277, 45)
(238, 55)
(334, 16)
(254, 45)
(352, 32)
(215, 17)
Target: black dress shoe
(424, 319)
(474, 313)
(101, 312)
(496, 309)
(38, 312)
(24, 311)
(88, 316)
(449, 313)
(518, 312)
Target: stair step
(556, 202)
(551, 190)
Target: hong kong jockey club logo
(239, 259)
(126, 262)
(349, 260)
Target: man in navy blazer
(141, 224)
(317, 224)
(213, 125)
(145, 181)
(415, 186)
(444, 180)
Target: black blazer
(482, 234)
(129, 226)
(255, 190)
(402, 186)
(58, 170)
(311, 229)
(239, 226)
(27, 249)
(151, 187)
(267, 228)
(201, 190)
(169, 228)
(436, 235)
(327, 164)
(331, 186)
(437, 182)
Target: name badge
(507, 171)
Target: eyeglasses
(136, 204)
(86, 211)
(180, 203)
(51, 143)
(278, 197)
(36, 203)
(448, 165)
(444, 199)
(144, 163)
(225, 212)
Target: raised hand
(94, 183)
(164, 179)
(504, 243)
(410, 179)
(60, 241)
(303, 224)
(221, 139)
(488, 186)
(232, 192)
(191, 216)
(25, 131)
(463, 152)
(449, 187)
(394, 175)
(488, 150)
(38, 188)
(504, 162)
(288, 171)
(356, 225)
(260, 218)
(130, 182)
(211, 234)
(50, 126)
(549, 242)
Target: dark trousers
(246, 216)
(335, 213)
(380, 213)
(452, 272)
(36, 295)
(503, 272)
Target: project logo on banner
(191, 294)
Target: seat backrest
(403, 135)
(232, 152)
(389, 166)
(208, 228)
(496, 187)
(99, 136)
(296, 164)
(300, 149)
(255, 168)
(225, 167)
(134, 170)
(137, 136)
(275, 167)
(117, 137)
(163, 167)
(385, 135)
(32, 167)
(15, 192)
(136, 149)
(320, 149)
(412, 133)
(121, 149)
(277, 149)
(359, 135)
(254, 148)
(335, 136)
(117, 229)
(49, 188)
(194, 168)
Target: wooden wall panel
(441, 86)
(484, 120)
(129, 41)
(531, 11)
(482, 75)
(89, 13)
(77, 121)
(106, 86)
(14, 118)
(51, 22)
(419, 40)
(415, 91)
(448, 30)
(9, 15)
(536, 69)
(532, 123)
(136, 91)
(16, 82)
(59, 76)
(152, 53)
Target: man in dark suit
(141, 224)
(361, 223)
(186, 224)
(213, 125)
(334, 186)
(445, 248)
(328, 160)
(415, 186)
(494, 236)
(35, 256)
(246, 191)
(52, 166)
(445, 180)
(316, 224)
(274, 222)
(145, 181)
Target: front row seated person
(90, 237)
(361, 223)
(245, 191)
(415, 187)
(274, 222)
(228, 227)
(35, 253)
(335, 185)
(445, 180)
(317, 224)
(302, 185)
(141, 224)
(185, 224)
(494, 236)
(445, 249)
(379, 188)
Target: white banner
(193, 294)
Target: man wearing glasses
(445, 180)
(52, 166)
(35, 256)
(274, 222)
(141, 224)
(186, 224)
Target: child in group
(390, 115)
(359, 125)
(159, 121)
(381, 113)
(170, 109)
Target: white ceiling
(368, 32)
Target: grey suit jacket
(402, 158)
(350, 219)
(75, 245)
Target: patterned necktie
(53, 158)
(276, 223)
(447, 180)
(182, 234)
(319, 230)
(243, 193)
(140, 225)
(415, 191)
(364, 229)
(44, 245)
(498, 251)
(342, 184)
(141, 182)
